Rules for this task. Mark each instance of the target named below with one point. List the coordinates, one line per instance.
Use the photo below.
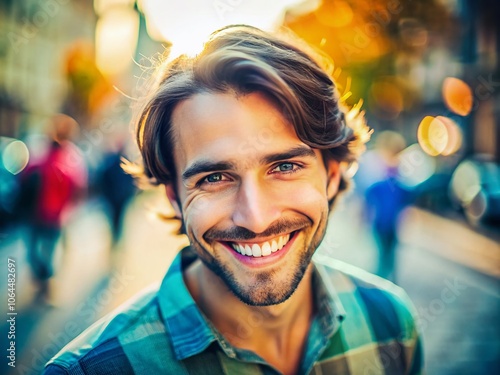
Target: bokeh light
(15, 157)
(432, 135)
(457, 96)
(116, 40)
(454, 133)
(465, 183)
(415, 166)
(439, 135)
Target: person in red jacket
(55, 181)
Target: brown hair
(243, 59)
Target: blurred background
(424, 210)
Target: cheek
(310, 203)
(304, 195)
(203, 213)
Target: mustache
(279, 227)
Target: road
(449, 271)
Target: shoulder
(387, 307)
(379, 316)
(111, 344)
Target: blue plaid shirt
(364, 325)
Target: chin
(263, 288)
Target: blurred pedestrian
(48, 187)
(385, 200)
(115, 186)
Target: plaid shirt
(364, 325)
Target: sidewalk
(452, 240)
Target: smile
(262, 249)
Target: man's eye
(286, 168)
(213, 178)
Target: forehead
(224, 126)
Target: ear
(173, 199)
(334, 172)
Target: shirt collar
(331, 312)
(190, 330)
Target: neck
(273, 331)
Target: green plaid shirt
(364, 325)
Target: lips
(261, 249)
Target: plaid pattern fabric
(364, 325)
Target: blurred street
(425, 207)
(450, 272)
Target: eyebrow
(296, 152)
(205, 166)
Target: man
(250, 142)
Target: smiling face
(254, 197)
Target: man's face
(254, 197)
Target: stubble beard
(269, 288)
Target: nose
(256, 206)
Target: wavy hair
(243, 60)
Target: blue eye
(286, 168)
(213, 178)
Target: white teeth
(274, 246)
(256, 250)
(286, 239)
(248, 250)
(265, 249)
